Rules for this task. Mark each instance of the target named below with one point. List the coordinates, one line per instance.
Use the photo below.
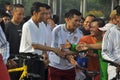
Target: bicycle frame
(23, 68)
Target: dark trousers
(57, 74)
(36, 67)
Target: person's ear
(66, 19)
(35, 13)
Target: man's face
(74, 21)
(87, 22)
(47, 15)
(6, 19)
(8, 7)
(40, 15)
(18, 14)
(94, 29)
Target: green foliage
(96, 13)
(99, 5)
(28, 3)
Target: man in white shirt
(48, 37)
(111, 46)
(33, 37)
(60, 68)
(48, 31)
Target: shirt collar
(65, 29)
(34, 23)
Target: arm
(94, 46)
(45, 48)
(84, 46)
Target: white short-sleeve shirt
(48, 33)
(59, 36)
(31, 34)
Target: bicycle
(24, 68)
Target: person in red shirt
(95, 37)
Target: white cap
(106, 27)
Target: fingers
(63, 53)
(81, 46)
(11, 64)
(71, 59)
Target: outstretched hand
(63, 53)
(11, 64)
(82, 46)
(67, 45)
(59, 52)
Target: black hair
(26, 18)
(7, 3)
(116, 7)
(118, 10)
(2, 12)
(17, 6)
(36, 7)
(82, 18)
(6, 15)
(100, 21)
(56, 19)
(47, 6)
(72, 12)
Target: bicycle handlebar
(112, 63)
(28, 56)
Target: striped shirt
(4, 46)
(59, 36)
(111, 45)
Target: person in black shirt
(14, 29)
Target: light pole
(14, 2)
(54, 7)
(84, 7)
(119, 2)
(60, 10)
(49, 2)
(17, 1)
(81, 6)
(112, 4)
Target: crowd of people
(80, 49)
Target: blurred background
(100, 8)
